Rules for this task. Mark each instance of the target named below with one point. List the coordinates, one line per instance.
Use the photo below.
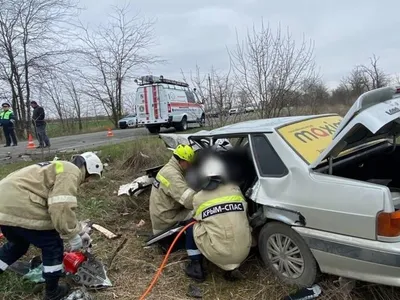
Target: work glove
(76, 243)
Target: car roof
(261, 125)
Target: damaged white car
(324, 192)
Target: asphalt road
(72, 143)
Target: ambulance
(162, 102)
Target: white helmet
(94, 166)
(213, 167)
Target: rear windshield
(310, 137)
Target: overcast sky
(346, 32)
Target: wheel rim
(285, 256)
(184, 125)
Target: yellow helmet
(184, 152)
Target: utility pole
(209, 92)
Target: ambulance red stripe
(146, 104)
(183, 104)
(155, 103)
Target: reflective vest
(5, 115)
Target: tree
(314, 94)
(113, 52)
(364, 78)
(374, 76)
(32, 41)
(75, 96)
(218, 92)
(271, 68)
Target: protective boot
(195, 270)
(59, 293)
(233, 275)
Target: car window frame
(257, 162)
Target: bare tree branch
(113, 53)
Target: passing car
(130, 121)
(324, 191)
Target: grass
(55, 128)
(133, 267)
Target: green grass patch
(57, 128)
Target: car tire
(182, 125)
(154, 129)
(300, 255)
(202, 120)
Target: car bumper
(360, 259)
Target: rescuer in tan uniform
(222, 232)
(171, 198)
(37, 206)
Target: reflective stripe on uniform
(53, 269)
(3, 265)
(193, 252)
(163, 180)
(62, 199)
(59, 167)
(186, 194)
(217, 201)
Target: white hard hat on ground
(94, 166)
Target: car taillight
(169, 108)
(388, 224)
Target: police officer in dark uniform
(7, 121)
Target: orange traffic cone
(110, 133)
(31, 144)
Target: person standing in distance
(40, 125)
(7, 120)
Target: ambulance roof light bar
(150, 79)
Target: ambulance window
(190, 97)
(268, 161)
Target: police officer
(37, 206)
(7, 120)
(171, 198)
(222, 232)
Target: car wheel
(285, 252)
(182, 125)
(154, 129)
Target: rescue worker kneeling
(37, 206)
(171, 198)
(222, 232)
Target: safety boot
(195, 270)
(233, 275)
(60, 293)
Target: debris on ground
(136, 187)
(346, 285)
(305, 293)
(35, 274)
(107, 233)
(144, 155)
(194, 291)
(80, 294)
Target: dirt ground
(132, 268)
